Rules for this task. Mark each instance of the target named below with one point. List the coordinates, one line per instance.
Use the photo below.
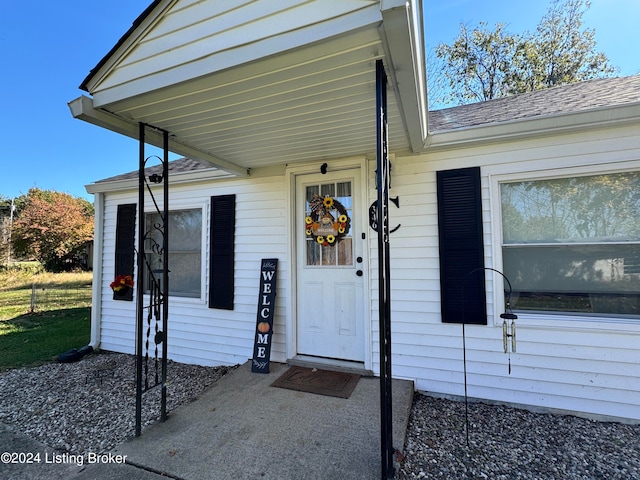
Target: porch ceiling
(313, 102)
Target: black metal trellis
(152, 319)
(384, 275)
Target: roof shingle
(575, 97)
(182, 165)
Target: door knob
(359, 273)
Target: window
(573, 244)
(185, 251)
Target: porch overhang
(82, 109)
(296, 95)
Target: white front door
(330, 272)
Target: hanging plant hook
(508, 332)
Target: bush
(25, 268)
(19, 274)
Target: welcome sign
(264, 321)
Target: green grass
(34, 339)
(42, 317)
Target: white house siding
(567, 363)
(589, 366)
(196, 333)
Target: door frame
(292, 173)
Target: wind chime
(509, 328)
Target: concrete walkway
(242, 428)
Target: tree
(483, 64)
(559, 53)
(477, 64)
(53, 228)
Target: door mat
(322, 382)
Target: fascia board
(403, 38)
(605, 117)
(125, 44)
(82, 108)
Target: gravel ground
(89, 407)
(508, 443)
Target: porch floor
(242, 428)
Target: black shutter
(221, 271)
(125, 245)
(462, 292)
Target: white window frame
(559, 319)
(176, 205)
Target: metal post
(165, 274)
(140, 281)
(33, 298)
(13, 209)
(384, 285)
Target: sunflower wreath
(322, 225)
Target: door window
(328, 218)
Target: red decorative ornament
(121, 282)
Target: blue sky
(48, 48)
